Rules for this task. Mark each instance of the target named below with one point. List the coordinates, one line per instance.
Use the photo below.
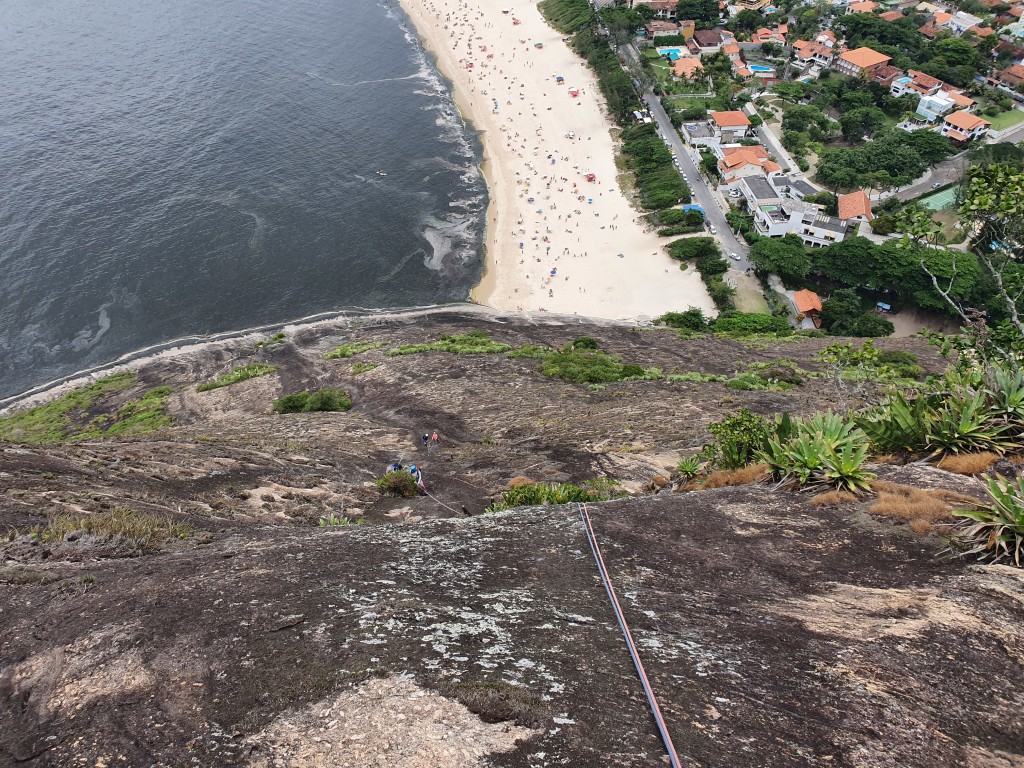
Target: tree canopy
(786, 257)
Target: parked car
(735, 256)
(713, 229)
(936, 185)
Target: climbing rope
(606, 580)
(438, 501)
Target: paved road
(702, 196)
(946, 172)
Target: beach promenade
(555, 240)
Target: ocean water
(191, 167)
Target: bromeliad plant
(822, 450)
(1005, 392)
(900, 425)
(963, 423)
(994, 533)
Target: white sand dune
(548, 249)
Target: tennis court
(944, 199)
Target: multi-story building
(776, 216)
(853, 63)
(739, 162)
(808, 52)
(962, 127)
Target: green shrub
(399, 483)
(353, 348)
(317, 400)
(78, 415)
(472, 343)
(531, 351)
(330, 520)
(669, 217)
(680, 229)
(691, 319)
(251, 371)
(585, 367)
(631, 371)
(904, 365)
(538, 494)
(994, 533)
(584, 342)
(695, 376)
(657, 179)
(567, 16)
(737, 438)
(362, 368)
(277, 338)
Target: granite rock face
(775, 632)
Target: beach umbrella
(554, 272)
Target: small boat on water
(381, 173)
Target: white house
(963, 21)
(962, 126)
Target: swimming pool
(760, 68)
(672, 53)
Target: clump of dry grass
(146, 530)
(515, 482)
(921, 508)
(921, 526)
(743, 476)
(968, 463)
(832, 499)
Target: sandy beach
(555, 241)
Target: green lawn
(1005, 120)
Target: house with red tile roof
(962, 126)
(731, 126)
(852, 63)
(807, 301)
(813, 53)
(1012, 76)
(891, 16)
(980, 32)
(885, 74)
(738, 162)
(856, 206)
(708, 40)
(916, 83)
(808, 308)
(664, 9)
(862, 6)
(656, 28)
(775, 35)
(687, 67)
(826, 37)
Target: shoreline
(599, 258)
